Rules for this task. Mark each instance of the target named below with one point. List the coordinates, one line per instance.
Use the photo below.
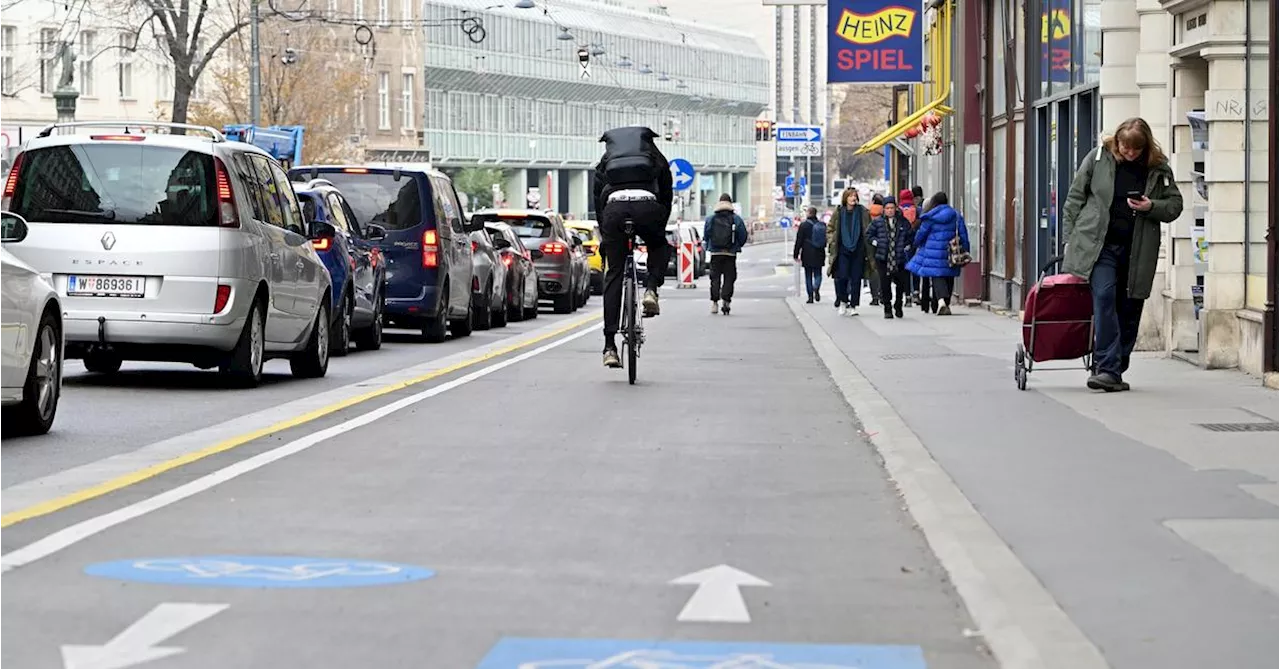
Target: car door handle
(274, 256)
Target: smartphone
(1134, 195)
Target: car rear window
(117, 184)
(525, 227)
(380, 199)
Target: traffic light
(765, 130)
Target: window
(406, 12)
(8, 36)
(999, 192)
(164, 82)
(384, 12)
(1001, 36)
(406, 101)
(380, 200)
(124, 69)
(384, 100)
(338, 215)
(359, 7)
(50, 49)
(88, 52)
(359, 119)
(333, 8)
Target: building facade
(519, 98)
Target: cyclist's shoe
(611, 359)
(650, 303)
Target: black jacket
(899, 245)
(634, 136)
(812, 257)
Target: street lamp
(564, 35)
(645, 69)
(525, 4)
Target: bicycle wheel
(629, 321)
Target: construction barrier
(685, 264)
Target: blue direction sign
(682, 174)
(257, 571)
(799, 133)
(586, 653)
(784, 222)
(791, 186)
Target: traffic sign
(248, 571)
(791, 186)
(682, 174)
(784, 222)
(582, 653)
(799, 140)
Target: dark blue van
(427, 248)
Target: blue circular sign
(784, 222)
(682, 174)
(256, 571)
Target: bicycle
(632, 327)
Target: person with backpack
(632, 182)
(892, 236)
(811, 252)
(726, 234)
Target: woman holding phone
(1121, 194)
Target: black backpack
(628, 158)
(723, 227)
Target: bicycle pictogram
(212, 569)
(260, 571)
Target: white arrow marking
(718, 598)
(137, 644)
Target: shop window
(1055, 47)
(1091, 43)
(999, 197)
(1001, 35)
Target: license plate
(107, 286)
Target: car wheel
(103, 362)
(482, 309)
(244, 365)
(436, 327)
(313, 361)
(370, 339)
(563, 304)
(341, 343)
(34, 415)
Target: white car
(173, 248)
(32, 341)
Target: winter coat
(897, 246)
(938, 227)
(810, 256)
(834, 242)
(633, 140)
(739, 231)
(1087, 215)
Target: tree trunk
(182, 87)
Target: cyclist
(633, 182)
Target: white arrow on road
(718, 598)
(137, 644)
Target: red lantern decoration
(912, 132)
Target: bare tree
(864, 113)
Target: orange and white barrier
(685, 264)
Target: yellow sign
(1058, 22)
(878, 27)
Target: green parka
(1087, 214)
(834, 244)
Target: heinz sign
(874, 42)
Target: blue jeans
(812, 279)
(1115, 315)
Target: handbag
(956, 255)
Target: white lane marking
(68, 481)
(1018, 617)
(718, 598)
(61, 539)
(137, 644)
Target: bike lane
(726, 509)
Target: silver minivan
(171, 247)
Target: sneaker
(611, 359)
(650, 303)
(888, 314)
(945, 310)
(853, 311)
(715, 307)
(897, 311)
(1107, 382)
(844, 311)
(725, 309)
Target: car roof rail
(320, 182)
(214, 133)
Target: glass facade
(521, 96)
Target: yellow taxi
(589, 232)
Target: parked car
(32, 343)
(522, 275)
(171, 247)
(551, 248)
(488, 284)
(427, 249)
(589, 233)
(357, 270)
(581, 269)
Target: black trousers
(649, 219)
(899, 278)
(724, 272)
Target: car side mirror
(13, 227)
(501, 243)
(472, 225)
(320, 229)
(375, 232)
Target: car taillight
(430, 250)
(11, 184)
(506, 260)
(229, 217)
(553, 248)
(475, 247)
(322, 244)
(118, 138)
(224, 296)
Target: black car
(350, 252)
(522, 275)
(488, 283)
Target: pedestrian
(726, 234)
(848, 251)
(1111, 219)
(873, 282)
(917, 198)
(907, 207)
(811, 252)
(942, 249)
(892, 236)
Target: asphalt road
(511, 504)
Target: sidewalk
(1155, 534)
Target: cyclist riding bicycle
(633, 182)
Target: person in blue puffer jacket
(932, 260)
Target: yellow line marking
(126, 480)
